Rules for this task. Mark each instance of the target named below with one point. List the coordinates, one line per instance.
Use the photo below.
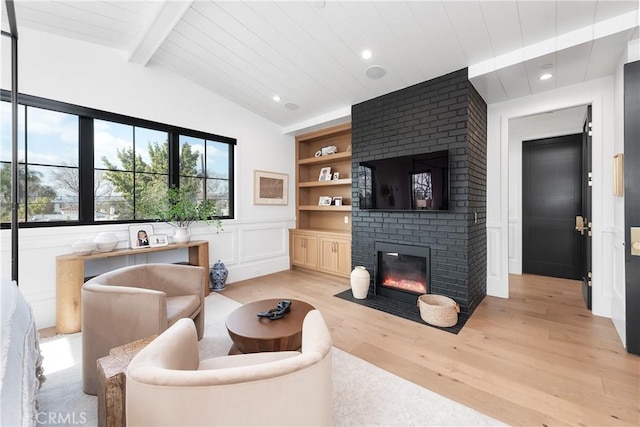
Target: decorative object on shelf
(360, 280)
(180, 208)
(325, 151)
(337, 201)
(218, 275)
(325, 174)
(438, 310)
(182, 235)
(270, 188)
(158, 240)
(336, 176)
(324, 201)
(139, 235)
(106, 241)
(83, 247)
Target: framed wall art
(270, 188)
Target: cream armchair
(135, 302)
(168, 385)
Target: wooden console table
(70, 278)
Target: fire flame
(406, 285)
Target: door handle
(580, 224)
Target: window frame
(86, 115)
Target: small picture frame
(336, 176)
(337, 201)
(158, 240)
(325, 174)
(324, 201)
(139, 236)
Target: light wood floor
(537, 358)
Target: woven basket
(438, 310)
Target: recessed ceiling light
(376, 72)
(276, 98)
(366, 54)
(546, 76)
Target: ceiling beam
(168, 14)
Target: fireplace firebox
(402, 271)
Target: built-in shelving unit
(322, 238)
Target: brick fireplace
(445, 113)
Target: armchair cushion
(182, 306)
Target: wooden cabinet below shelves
(324, 251)
(304, 249)
(335, 255)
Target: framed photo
(336, 176)
(324, 201)
(139, 235)
(157, 240)
(337, 201)
(270, 188)
(325, 174)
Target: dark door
(632, 202)
(551, 200)
(583, 220)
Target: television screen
(416, 182)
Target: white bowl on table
(106, 241)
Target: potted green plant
(180, 208)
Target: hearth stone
(400, 309)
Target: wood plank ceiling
(308, 53)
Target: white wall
(253, 244)
(600, 94)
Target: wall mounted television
(419, 182)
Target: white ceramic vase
(360, 282)
(182, 235)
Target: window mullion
(174, 159)
(86, 196)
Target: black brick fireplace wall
(443, 113)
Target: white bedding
(21, 364)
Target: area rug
(361, 393)
(399, 308)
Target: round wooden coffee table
(253, 334)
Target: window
(84, 166)
(204, 170)
(48, 165)
(131, 168)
